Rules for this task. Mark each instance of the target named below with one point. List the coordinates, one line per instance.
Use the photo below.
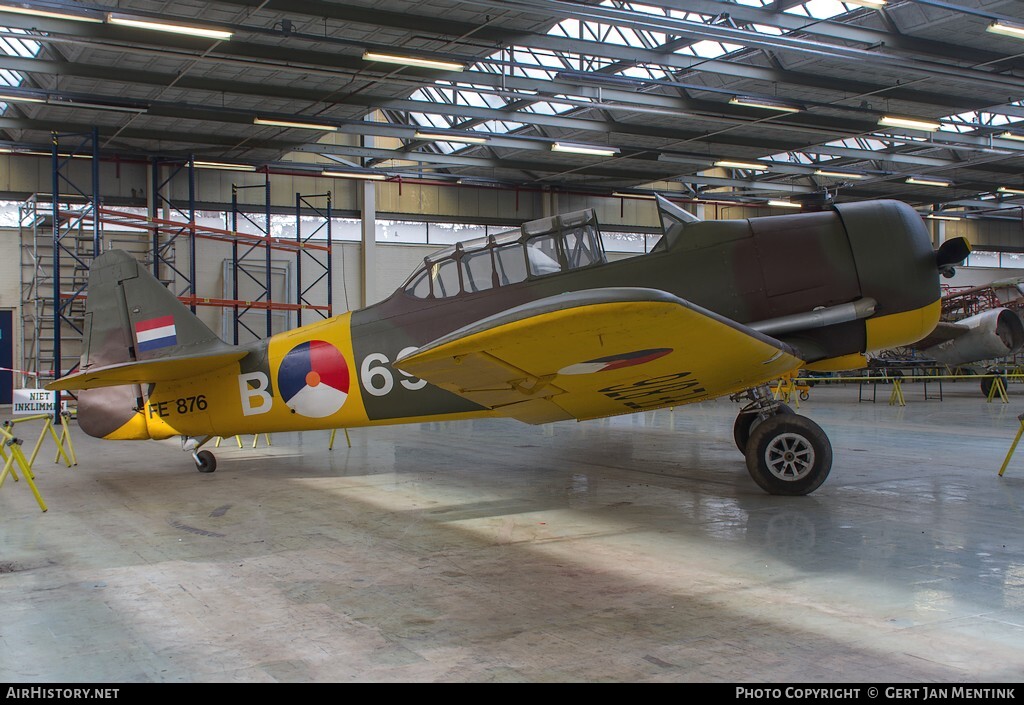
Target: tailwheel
(205, 461)
(788, 454)
(748, 420)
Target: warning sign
(34, 401)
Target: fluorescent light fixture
(620, 194)
(168, 27)
(369, 176)
(837, 174)
(784, 204)
(8, 98)
(1011, 136)
(763, 103)
(294, 123)
(923, 181)
(592, 150)
(226, 166)
(1007, 28)
(911, 123)
(413, 61)
(866, 3)
(932, 216)
(1006, 189)
(61, 154)
(452, 137)
(36, 12)
(751, 166)
(95, 105)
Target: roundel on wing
(313, 379)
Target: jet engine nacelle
(990, 334)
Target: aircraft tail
(136, 332)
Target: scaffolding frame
(240, 308)
(323, 269)
(165, 236)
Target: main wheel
(206, 461)
(789, 454)
(747, 421)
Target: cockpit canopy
(539, 248)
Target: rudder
(130, 316)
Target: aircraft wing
(146, 371)
(599, 352)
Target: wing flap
(146, 372)
(489, 380)
(599, 353)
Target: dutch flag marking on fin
(155, 333)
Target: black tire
(206, 461)
(745, 424)
(804, 396)
(789, 455)
(988, 382)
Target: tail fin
(131, 316)
(136, 332)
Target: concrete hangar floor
(633, 549)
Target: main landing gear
(787, 454)
(204, 459)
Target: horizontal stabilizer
(146, 372)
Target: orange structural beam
(273, 306)
(110, 216)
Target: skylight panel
(708, 49)
(545, 64)
(15, 46)
(971, 121)
(819, 9)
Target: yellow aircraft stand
(998, 388)
(330, 446)
(9, 441)
(1013, 446)
(896, 396)
(789, 388)
(238, 439)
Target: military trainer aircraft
(538, 325)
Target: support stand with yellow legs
(999, 388)
(238, 440)
(65, 437)
(896, 396)
(1013, 446)
(330, 446)
(13, 446)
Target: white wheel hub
(789, 457)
